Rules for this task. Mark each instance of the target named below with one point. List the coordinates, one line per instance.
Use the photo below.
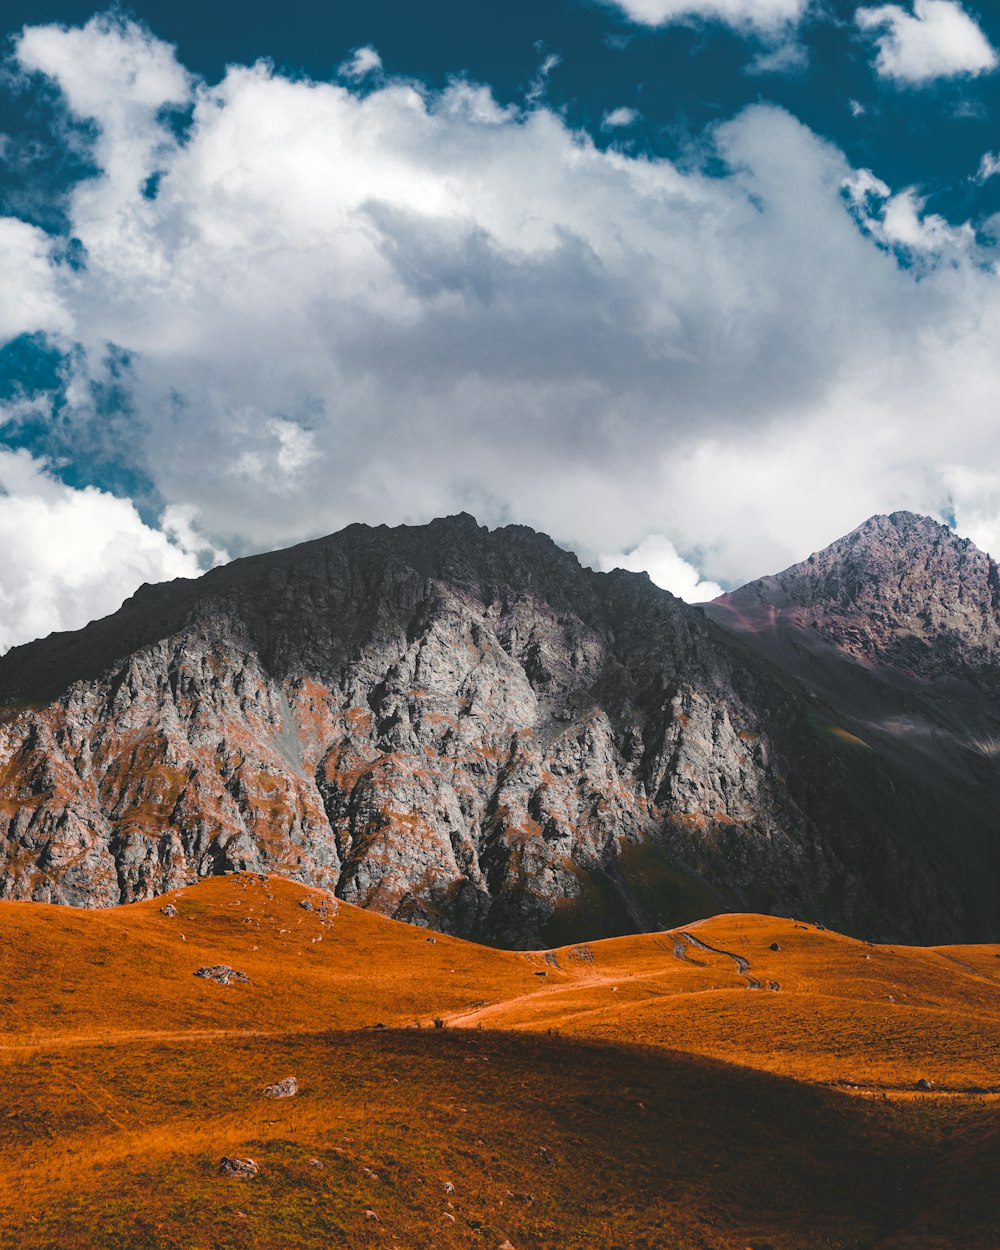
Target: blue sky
(693, 285)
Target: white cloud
(786, 57)
(761, 15)
(391, 304)
(29, 303)
(614, 119)
(899, 221)
(69, 556)
(938, 39)
(361, 63)
(989, 167)
(658, 557)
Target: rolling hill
(640, 1091)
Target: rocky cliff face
(466, 730)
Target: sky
(694, 286)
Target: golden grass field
(634, 1092)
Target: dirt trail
(741, 961)
(680, 950)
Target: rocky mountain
(901, 591)
(468, 730)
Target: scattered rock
(241, 1169)
(547, 1155)
(447, 1215)
(924, 1084)
(286, 1088)
(316, 1163)
(433, 941)
(524, 1199)
(169, 910)
(370, 1215)
(775, 946)
(222, 974)
(438, 1022)
(505, 1245)
(449, 1188)
(306, 905)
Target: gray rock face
(239, 1169)
(459, 728)
(222, 974)
(286, 1088)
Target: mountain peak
(901, 588)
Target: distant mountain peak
(902, 589)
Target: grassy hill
(636, 1092)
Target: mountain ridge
(468, 729)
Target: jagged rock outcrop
(461, 728)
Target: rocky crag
(468, 730)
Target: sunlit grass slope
(637, 1092)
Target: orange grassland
(695, 1088)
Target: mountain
(901, 591)
(896, 628)
(468, 730)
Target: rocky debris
(286, 1088)
(370, 1215)
(775, 946)
(306, 905)
(505, 1245)
(524, 1199)
(316, 1163)
(448, 1187)
(241, 1169)
(168, 910)
(470, 731)
(924, 1084)
(547, 1155)
(222, 974)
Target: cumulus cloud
(900, 222)
(361, 63)
(68, 556)
(760, 15)
(658, 557)
(384, 305)
(989, 167)
(938, 39)
(615, 119)
(30, 303)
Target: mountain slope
(896, 627)
(468, 730)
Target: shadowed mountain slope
(468, 730)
